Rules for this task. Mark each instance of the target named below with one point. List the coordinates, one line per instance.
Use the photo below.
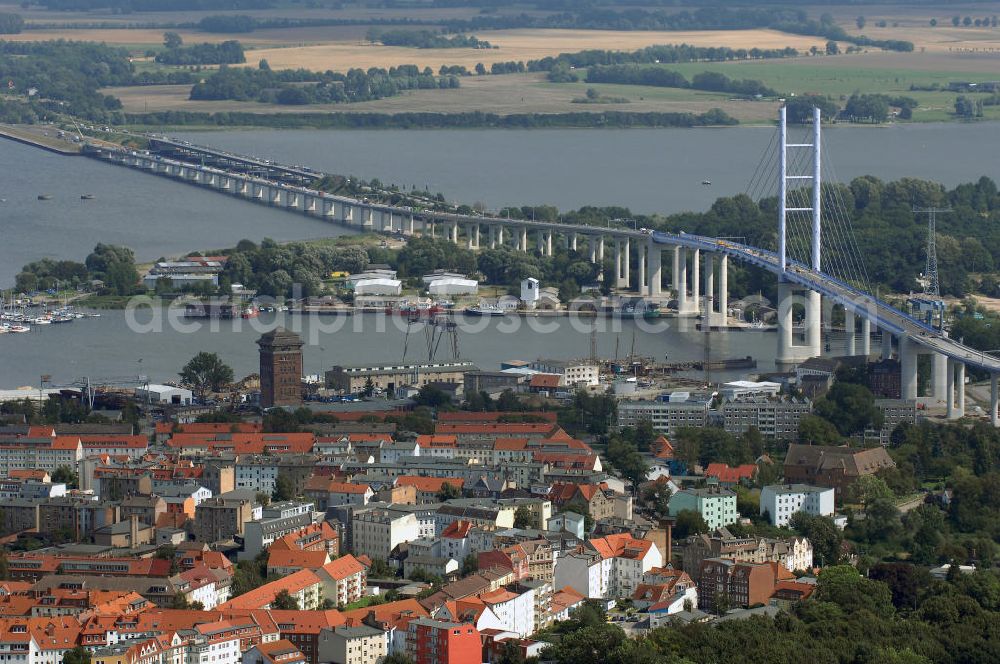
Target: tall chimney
(133, 531)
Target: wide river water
(648, 170)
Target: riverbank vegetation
(350, 120)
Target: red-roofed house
(728, 476)
(611, 566)
(588, 497)
(512, 559)
(282, 562)
(545, 382)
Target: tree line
(655, 75)
(712, 117)
(226, 53)
(301, 87)
(423, 39)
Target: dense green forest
(227, 53)
(299, 87)
(69, 72)
(423, 39)
(657, 76)
(907, 618)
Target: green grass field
(834, 77)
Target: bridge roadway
(237, 162)
(880, 314)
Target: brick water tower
(280, 368)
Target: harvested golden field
(508, 94)
(514, 45)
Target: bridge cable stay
(856, 272)
(764, 173)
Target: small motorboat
(45, 197)
(87, 197)
(706, 182)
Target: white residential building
(375, 533)
(781, 501)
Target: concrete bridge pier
(500, 237)
(491, 231)
(709, 317)
(955, 391)
(243, 188)
(642, 284)
(470, 239)
(886, 345)
(346, 214)
(618, 263)
(454, 232)
(682, 282)
(724, 289)
(275, 194)
(866, 337)
(675, 268)
(410, 226)
(695, 281)
(788, 351)
(939, 377)
(600, 248)
(627, 267)
(592, 243)
(814, 323)
(522, 238)
(292, 200)
(572, 241)
(655, 270)
(849, 333)
(908, 355)
(367, 219)
(548, 243)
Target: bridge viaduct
(699, 275)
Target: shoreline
(208, 128)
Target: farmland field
(517, 45)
